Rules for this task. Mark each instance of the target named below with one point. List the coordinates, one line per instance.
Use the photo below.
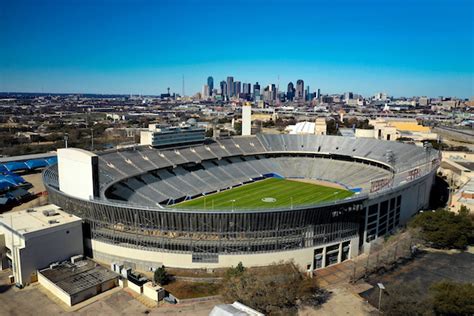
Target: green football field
(268, 193)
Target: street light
(92, 139)
(381, 288)
(66, 137)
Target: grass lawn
(276, 192)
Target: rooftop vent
(53, 221)
(50, 213)
(53, 265)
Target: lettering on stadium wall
(379, 184)
(413, 174)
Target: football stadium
(317, 200)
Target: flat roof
(74, 278)
(469, 187)
(33, 220)
(466, 164)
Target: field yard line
(250, 195)
(238, 193)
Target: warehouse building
(75, 282)
(33, 238)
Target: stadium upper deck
(130, 219)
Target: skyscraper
(299, 90)
(308, 94)
(205, 92)
(290, 93)
(267, 94)
(256, 91)
(230, 87)
(237, 88)
(223, 87)
(273, 92)
(246, 88)
(210, 83)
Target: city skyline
(404, 48)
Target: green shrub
(450, 298)
(160, 276)
(444, 229)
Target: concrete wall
(93, 291)
(146, 138)
(75, 171)
(132, 286)
(156, 293)
(50, 286)
(458, 154)
(78, 297)
(301, 257)
(40, 251)
(365, 133)
(84, 295)
(415, 197)
(3, 252)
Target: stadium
(317, 200)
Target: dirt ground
(430, 267)
(184, 290)
(343, 301)
(320, 182)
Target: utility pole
(183, 88)
(13, 249)
(92, 139)
(381, 288)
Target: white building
(381, 96)
(32, 239)
(205, 92)
(78, 172)
(317, 128)
(159, 137)
(246, 119)
(234, 309)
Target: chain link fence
(385, 256)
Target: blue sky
(405, 47)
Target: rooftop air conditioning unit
(77, 258)
(48, 213)
(53, 265)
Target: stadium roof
(30, 164)
(302, 128)
(27, 157)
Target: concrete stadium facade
(313, 236)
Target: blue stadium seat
(52, 160)
(16, 166)
(36, 163)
